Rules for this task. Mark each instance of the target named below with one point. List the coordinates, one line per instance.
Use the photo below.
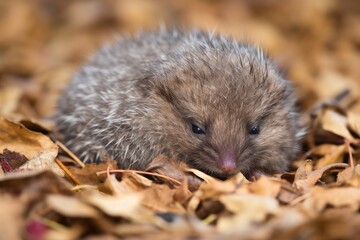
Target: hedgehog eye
(254, 130)
(196, 129)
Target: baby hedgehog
(217, 104)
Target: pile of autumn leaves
(62, 199)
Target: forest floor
(47, 193)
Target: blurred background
(42, 42)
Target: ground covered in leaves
(47, 193)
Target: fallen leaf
(38, 148)
(176, 170)
(335, 197)
(128, 206)
(247, 209)
(183, 194)
(70, 206)
(130, 182)
(200, 174)
(349, 176)
(265, 186)
(12, 210)
(323, 149)
(335, 156)
(336, 123)
(217, 188)
(73, 232)
(11, 160)
(161, 198)
(43, 161)
(305, 179)
(209, 207)
(354, 122)
(44, 180)
(288, 193)
(87, 175)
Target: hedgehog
(217, 104)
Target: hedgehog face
(223, 116)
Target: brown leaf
(183, 194)
(335, 197)
(87, 175)
(265, 186)
(336, 123)
(161, 198)
(46, 181)
(43, 162)
(305, 179)
(349, 176)
(176, 170)
(70, 206)
(36, 126)
(324, 149)
(129, 183)
(335, 156)
(11, 160)
(200, 174)
(247, 209)
(288, 193)
(12, 210)
(209, 207)
(217, 188)
(127, 206)
(38, 148)
(73, 232)
(354, 122)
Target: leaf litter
(46, 192)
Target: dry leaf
(87, 175)
(349, 176)
(265, 187)
(38, 148)
(247, 209)
(354, 122)
(209, 207)
(335, 123)
(130, 183)
(12, 210)
(43, 161)
(305, 179)
(11, 160)
(176, 170)
(47, 181)
(127, 206)
(288, 193)
(200, 174)
(335, 197)
(70, 206)
(217, 188)
(73, 232)
(324, 149)
(333, 157)
(161, 198)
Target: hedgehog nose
(227, 162)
